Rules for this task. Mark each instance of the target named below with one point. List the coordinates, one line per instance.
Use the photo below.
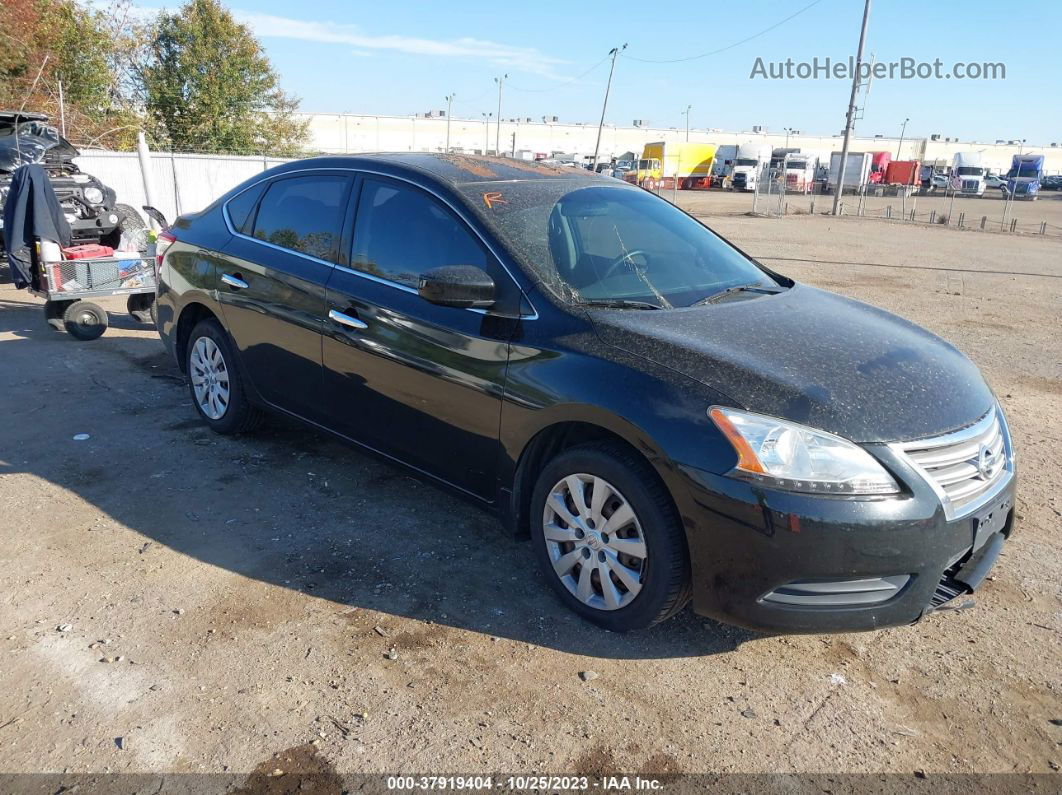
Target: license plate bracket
(989, 521)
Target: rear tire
(140, 306)
(645, 558)
(85, 320)
(216, 383)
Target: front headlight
(785, 455)
(93, 195)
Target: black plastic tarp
(23, 142)
(31, 212)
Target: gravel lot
(173, 601)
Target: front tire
(85, 320)
(131, 223)
(608, 538)
(215, 381)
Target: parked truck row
(745, 167)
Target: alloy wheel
(210, 378)
(594, 541)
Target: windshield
(612, 243)
(746, 161)
(1024, 171)
(969, 171)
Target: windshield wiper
(754, 287)
(620, 303)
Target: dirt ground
(175, 601)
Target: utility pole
(497, 132)
(899, 146)
(597, 147)
(851, 110)
(686, 113)
(449, 105)
(1010, 193)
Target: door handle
(234, 282)
(346, 320)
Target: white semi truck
(800, 168)
(968, 174)
(750, 162)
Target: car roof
(457, 169)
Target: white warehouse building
(349, 133)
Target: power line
(729, 46)
(564, 83)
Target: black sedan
(665, 417)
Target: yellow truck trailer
(662, 163)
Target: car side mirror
(464, 286)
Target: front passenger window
(402, 232)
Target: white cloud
(528, 59)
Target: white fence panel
(183, 183)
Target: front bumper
(95, 227)
(781, 562)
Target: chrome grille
(963, 466)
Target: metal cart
(69, 282)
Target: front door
(419, 382)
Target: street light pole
(787, 131)
(597, 147)
(497, 133)
(899, 146)
(486, 131)
(850, 117)
(449, 105)
(686, 113)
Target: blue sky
(400, 58)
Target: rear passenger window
(401, 233)
(241, 205)
(304, 214)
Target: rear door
(419, 382)
(272, 285)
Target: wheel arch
(192, 313)
(557, 436)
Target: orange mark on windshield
(492, 198)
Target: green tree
(208, 86)
(45, 44)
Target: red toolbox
(87, 251)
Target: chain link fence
(777, 194)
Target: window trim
(344, 203)
(354, 174)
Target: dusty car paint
(468, 398)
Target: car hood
(812, 357)
(29, 142)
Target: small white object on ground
(81, 437)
